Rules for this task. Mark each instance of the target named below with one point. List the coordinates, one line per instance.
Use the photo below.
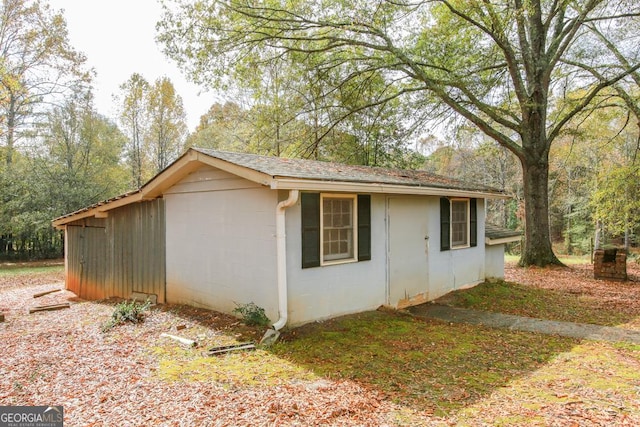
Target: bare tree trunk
(537, 242)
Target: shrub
(252, 315)
(127, 311)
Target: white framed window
(459, 223)
(338, 224)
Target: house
(305, 240)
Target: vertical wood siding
(121, 254)
(86, 252)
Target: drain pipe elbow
(281, 255)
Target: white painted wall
(323, 292)
(455, 268)
(333, 290)
(494, 261)
(221, 250)
(221, 247)
(447, 270)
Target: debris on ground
(50, 307)
(223, 349)
(181, 340)
(43, 293)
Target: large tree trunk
(537, 243)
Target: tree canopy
(37, 66)
(501, 65)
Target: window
(338, 234)
(458, 223)
(336, 228)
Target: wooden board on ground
(49, 307)
(40, 294)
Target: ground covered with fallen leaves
(617, 300)
(131, 376)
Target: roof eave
(502, 240)
(284, 183)
(98, 210)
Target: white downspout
(281, 255)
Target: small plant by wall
(252, 315)
(127, 311)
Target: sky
(118, 38)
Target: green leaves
(616, 201)
(252, 315)
(127, 312)
(38, 66)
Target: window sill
(338, 262)
(460, 247)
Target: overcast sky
(117, 36)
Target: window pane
(327, 219)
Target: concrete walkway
(529, 324)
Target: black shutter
(473, 222)
(310, 207)
(445, 224)
(364, 227)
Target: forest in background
(58, 154)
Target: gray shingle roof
(312, 170)
(495, 232)
(328, 171)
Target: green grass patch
(256, 368)
(251, 368)
(424, 364)
(513, 298)
(565, 259)
(10, 270)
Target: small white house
(305, 240)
